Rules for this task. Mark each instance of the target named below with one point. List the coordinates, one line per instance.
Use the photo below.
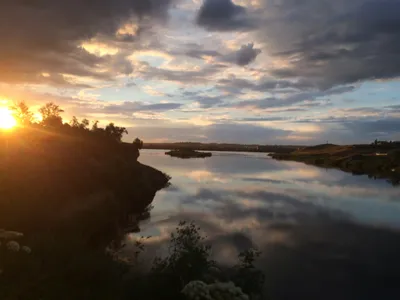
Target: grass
(357, 159)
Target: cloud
(326, 42)
(356, 125)
(197, 51)
(381, 128)
(246, 133)
(207, 102)
(223, 15)
(236, 85)
(228, 133)
(244, 56)
(45, 37)
(136, 106)
(272, 102)
(203, 100)
(262, 206)
(334, 42)
(198, 76)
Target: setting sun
(7, 121)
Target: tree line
(51, 119)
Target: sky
(237, 71)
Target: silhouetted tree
(51, 114)
(74, 122)
(84, 124)
(138, 143)
(22, 113)
(115, 132)
(95, 126)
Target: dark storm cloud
(336, 42)
(43, 36)
(244, 56)
(223, 15)
(327, 42)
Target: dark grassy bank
(187, 153)
(379, 161)
(70, 194)
(50, 174)
(71, 190)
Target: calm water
(321, 230)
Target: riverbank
(377, 161)
(71, 193)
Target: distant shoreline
(223, 147)
(376, 161)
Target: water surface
(237, 186)
(322, 231)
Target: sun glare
(7, 121)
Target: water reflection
(323, 232)
(255, 177)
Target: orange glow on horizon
(7, 121)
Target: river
(313, 225)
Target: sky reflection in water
(318, 222)
(250, 181)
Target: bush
(189, 262)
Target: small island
(188, 153)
